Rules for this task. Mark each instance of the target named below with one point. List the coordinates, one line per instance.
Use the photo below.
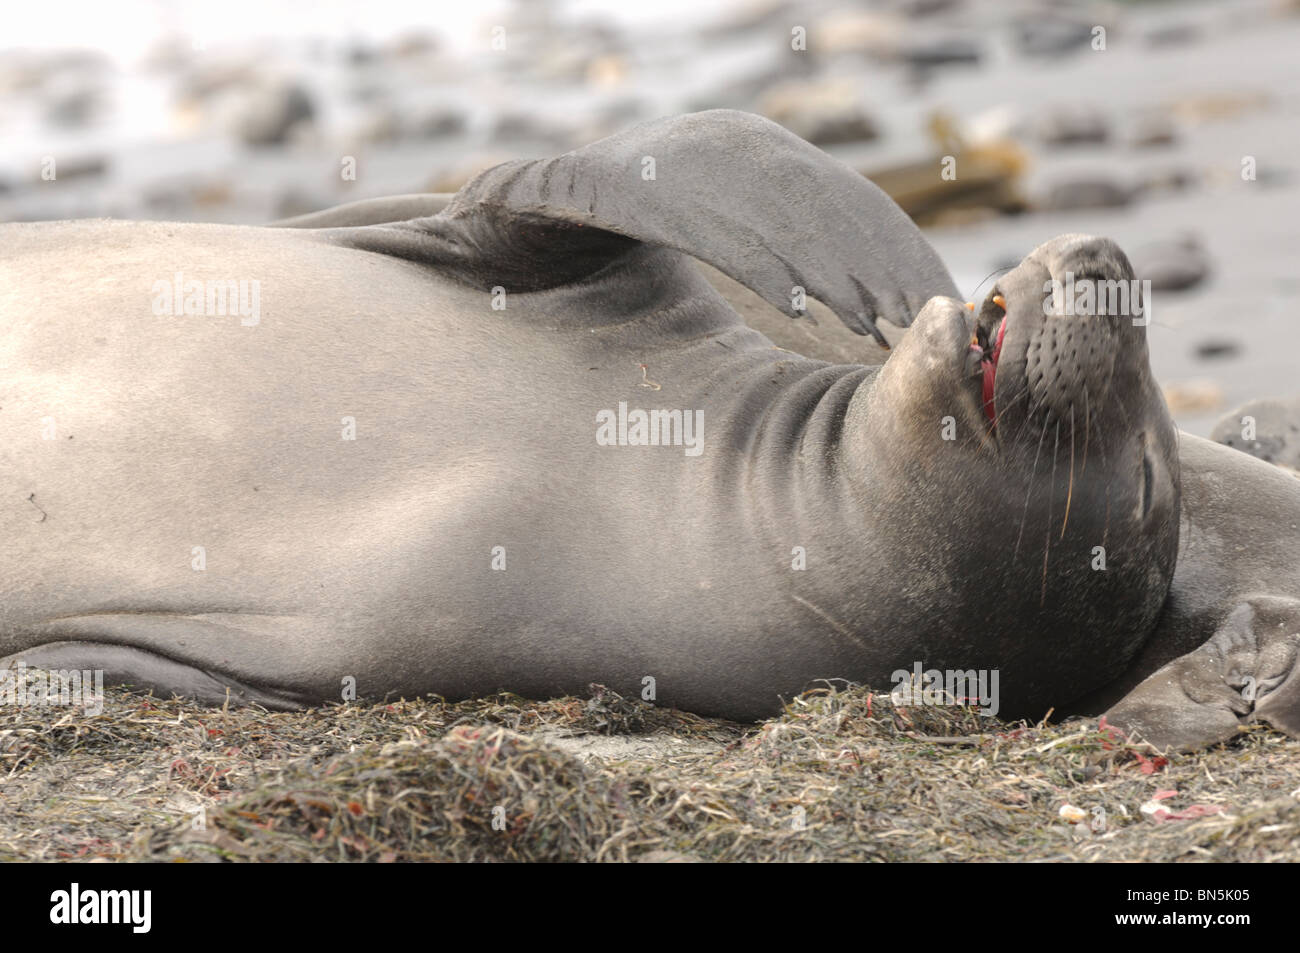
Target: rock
(368, 91)
(360, 53)
(1193, 397)
(1075, 194)
(387, 124)
(381, 126)
(950, 52)
(1168, 180)
(20, 76)
(1178, 264)
(1210, 107)
(1273, 177)
(202, 84)
(1173, 34)
(1271, 431)
(212, 194)
(824, 113)
(1044, 34)
(514, 127)
(1154, 131)
(607, 71)
(438, 122)
(416, 45)
(857, 31)
(1071, 814)
(987, 182)
(916, 9)
(1072, 127)
(186, 197)
(271, 112)
(73, 108)
(1216, 348)
(829, 128)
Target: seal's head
(1034, 422)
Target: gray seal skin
(1224, 650)
(930, 532)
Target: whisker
(1029, 416)
(995, 271)
(1028, 493)
(1069, 493)
(1123, 410)
(1010, 400)
(1105, 529)
(1047, 548)
(1087, 429)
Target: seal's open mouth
(989, 354)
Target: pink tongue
(991, 371)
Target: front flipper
(728, 188)
(279, 661)
(1248, 672)
(144, 671)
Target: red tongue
(991, 371)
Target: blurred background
(1172, 127)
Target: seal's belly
(361, 449)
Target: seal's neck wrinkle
(797, 475)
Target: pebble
(270, 113)
(824, 113)
(1193, 397)
(1074, 194)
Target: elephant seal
(522, 443)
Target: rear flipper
(124, 665)
(1248, 672)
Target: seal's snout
(1069, 365)
(1073, 325)
(1092, 308)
